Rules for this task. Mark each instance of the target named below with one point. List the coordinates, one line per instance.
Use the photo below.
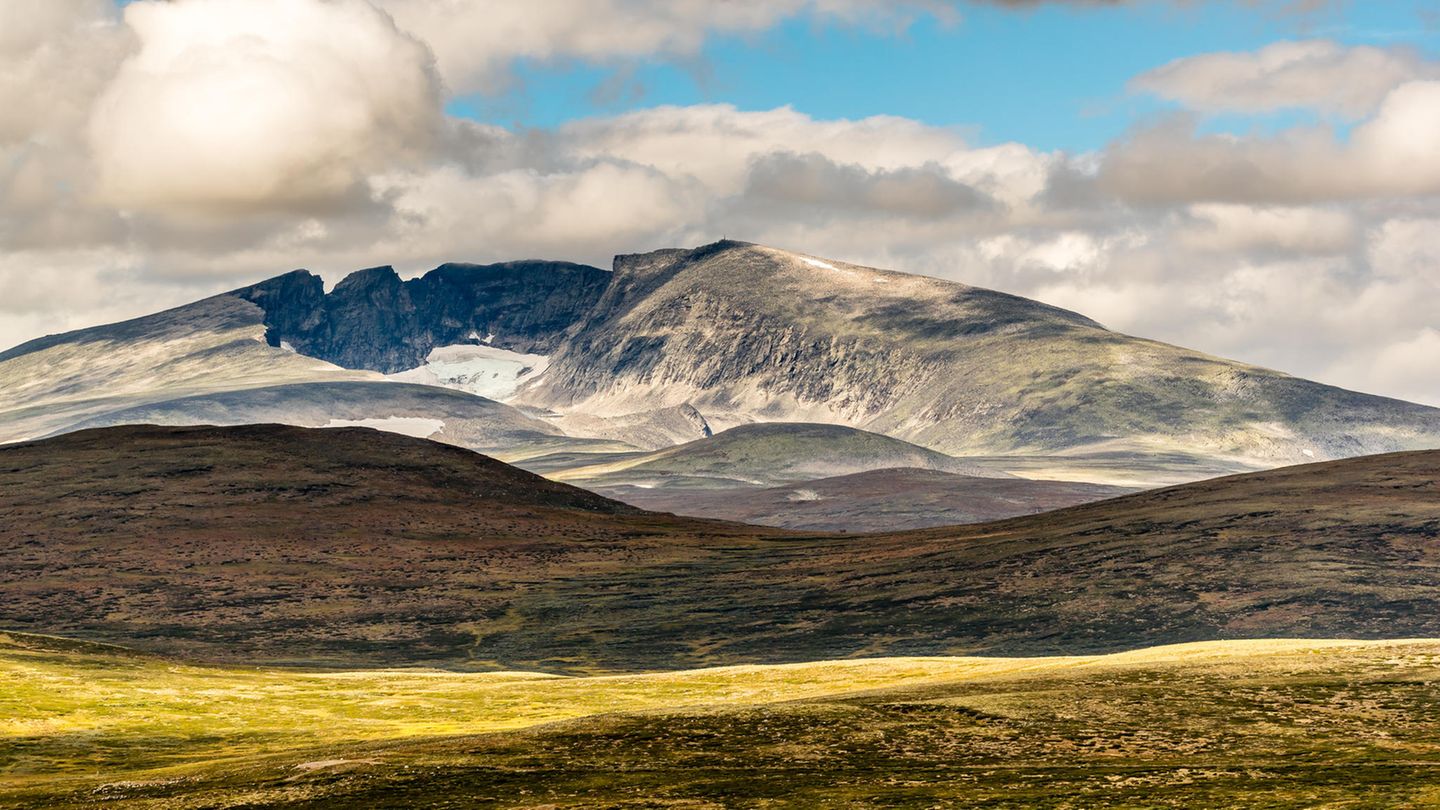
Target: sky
(1258, 179)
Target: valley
(725, 527)
(719, 405)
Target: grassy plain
(1276, 723)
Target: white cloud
(1226, 228)
(39, 44)
(716, 143)
(1316, 74)
(319, 123)
(476, 44)
(1406, 369)
(1390, 154)
(1406, 248)
(239, 104)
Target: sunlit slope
(768, 454)
(210, 363)
(749, 333)
(425, 411)
(361, 548)
(211, 346)
(1196, 725)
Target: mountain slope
(374, 320)
(677, 344)
(230, 359)
(214, 345)
(872, 501)
(768, 454)
(417, 410)
(284, 544)
(748, 333)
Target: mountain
(748, 333)
(373, 320)
(764, 454)
(872, 501)
(212, 346)
(813, 477)
(415, 410)
(260, 354)
(677, 345)
(279, 544)
(370, 529)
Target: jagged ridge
(374, 320)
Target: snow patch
(419, 427)
(850, 274)
(1308, 453)
(285, 344)
(481, 370)
(804, 495)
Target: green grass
(1274, 723)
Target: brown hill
(283, 544)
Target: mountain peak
(383, 276)
(373, 320)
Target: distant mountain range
(567, 368)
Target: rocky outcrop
(374, 320)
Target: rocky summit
(374, 320)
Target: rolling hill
(351, 546)
(872, 501)
(766, 454)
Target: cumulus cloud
(70, 48)
(1317, 74)
(1406, 368)
(320, 142)
(236, 104)
(811, 182)
(716, 143)
(476, 43)
(1222, 228)
(39, 40)
(1389, 154)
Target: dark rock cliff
(374, 320)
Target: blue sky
(1053, 78)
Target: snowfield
(481, 370)
(416, 426)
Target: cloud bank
(199, 144)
